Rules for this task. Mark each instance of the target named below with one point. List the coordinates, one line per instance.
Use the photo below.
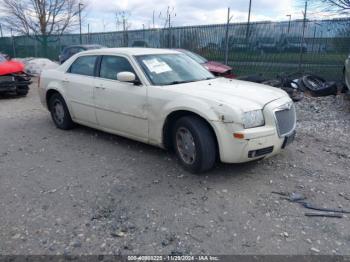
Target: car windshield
(196, 57)
(2, 59)
(172, 69)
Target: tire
(60, 113)
(318, 86)
(192, 131)
(294, 93)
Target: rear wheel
(195, 144)
(59, 112)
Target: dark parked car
(293, 44)
(69, 51)
(139, 43)
(215, 68)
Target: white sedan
(164, 98)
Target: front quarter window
(171, 69)
(112, 65)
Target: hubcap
(185, 145)
(58, 112)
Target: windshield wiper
(189, 81)
(180, 82)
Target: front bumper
(10, 83)
(260, 142)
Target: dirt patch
(85, 191)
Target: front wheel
(195, 144)
(59, 112)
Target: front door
(120, 106)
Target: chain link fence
(267, 48)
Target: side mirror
(126, 77)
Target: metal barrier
(267, 48)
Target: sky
(101, 14)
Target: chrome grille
(285, 120)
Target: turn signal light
(238, 136)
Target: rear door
(79, 81)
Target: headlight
(253, 119)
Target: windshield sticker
(156, 66)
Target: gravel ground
(88, 192)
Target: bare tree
(341, 5)
(41, 18)
(337, 6)
(122, 18)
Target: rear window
(84, 65)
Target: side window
(84, 65)
(112, 65)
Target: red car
(12, 77)
(215, 68)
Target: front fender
(211, 112)
(193, 105)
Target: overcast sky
(100, 14)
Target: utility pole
(153, 18)
(143, 32)
(2, 35)
(303, 38)
(314, 38)
(169, 30)
(88, 33)
(168, 23)
(81, 39)
(248, 24)
(13, 44)
(229, 18)
(125, 36)
(290, 19)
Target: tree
(122, 18)
(340, 5)
(40, 18)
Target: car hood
(11, 67)
(217, 67)
(244, 95)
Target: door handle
(100, 87)
(65, 81)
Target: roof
(131, 51)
